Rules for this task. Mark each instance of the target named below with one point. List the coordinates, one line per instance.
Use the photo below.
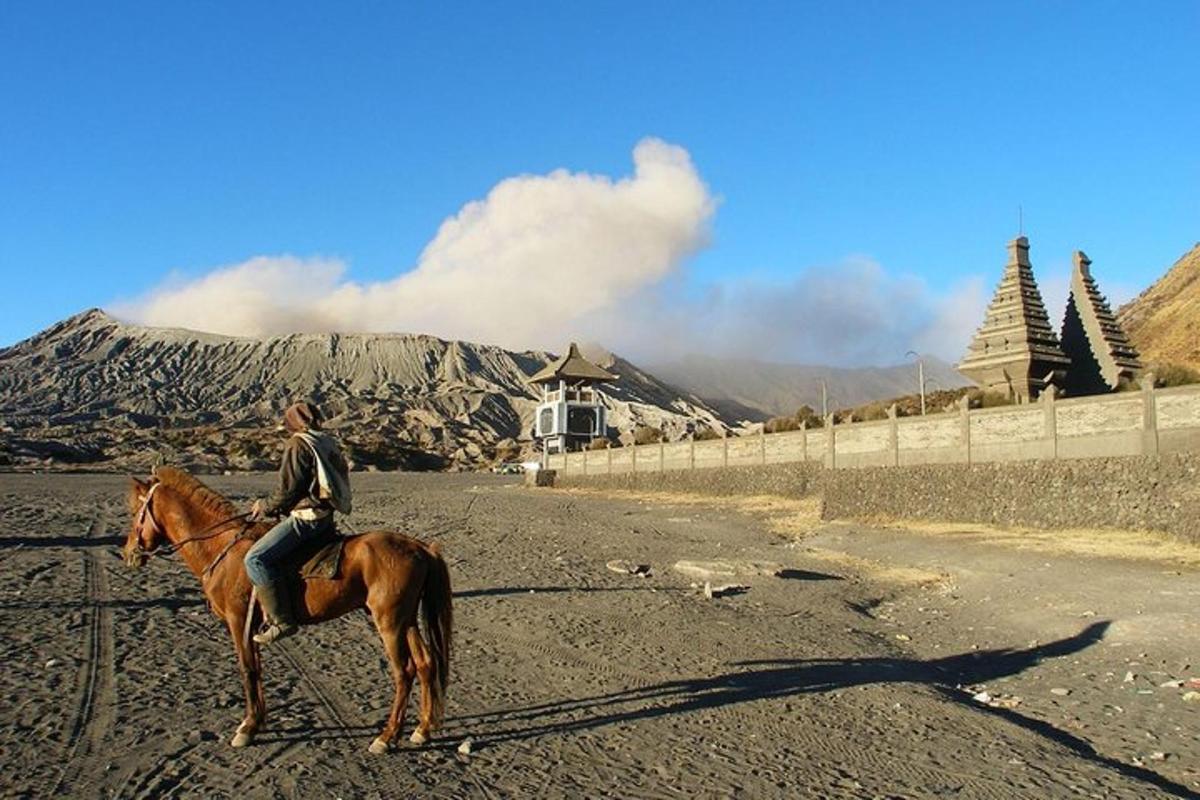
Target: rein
(209, 532)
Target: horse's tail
(438, 613)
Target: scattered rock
(464, 749)
(1159, 756)
(981, 697)
(1129, 676)
(904, 637)
(623, 567)
(1058, 691)
(1191, 697)
(196, 737)
(724, 590)
(53, 662)
(1170, 685)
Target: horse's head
(145, 534)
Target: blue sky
(144, 140)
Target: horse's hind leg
(423, 666)
(394, 644)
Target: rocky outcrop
(1164, 321)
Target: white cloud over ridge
(544, 259)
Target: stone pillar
(893, 435)
(1149, 416)
(830, 443)
(964, 416)
(804, 442)
(762, 444)
(1049, 422)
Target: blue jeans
(266, 558)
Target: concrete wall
(1159, 493)
(1147, 422)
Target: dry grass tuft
(888, 573)
(1103, 543)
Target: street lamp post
(920, 377)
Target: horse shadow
(768, 679)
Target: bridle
(146, 514)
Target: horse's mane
(192, 489)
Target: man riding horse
(314, 481)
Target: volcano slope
(828, 678)
(96, 393)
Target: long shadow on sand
(172, 603)
(7, 542)
(758, 680)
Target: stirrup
(275, 632)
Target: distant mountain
(93, 390)
(1164, 321)
(757, 390)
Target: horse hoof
(240, 739)
(378, 747)
(418, 737)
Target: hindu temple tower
(1102, 356)
(1016, 352)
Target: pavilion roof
(572, 367)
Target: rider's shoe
(278, 610)
(275, 632)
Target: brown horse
(388, 573)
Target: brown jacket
(297, 480)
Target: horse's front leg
(251, 668)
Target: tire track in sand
(95, 712)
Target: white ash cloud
(517, 268)
(545, 259)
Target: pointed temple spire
(1100, 352)
(1015, 351)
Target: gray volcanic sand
(572, 680)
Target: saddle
(320, 559)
